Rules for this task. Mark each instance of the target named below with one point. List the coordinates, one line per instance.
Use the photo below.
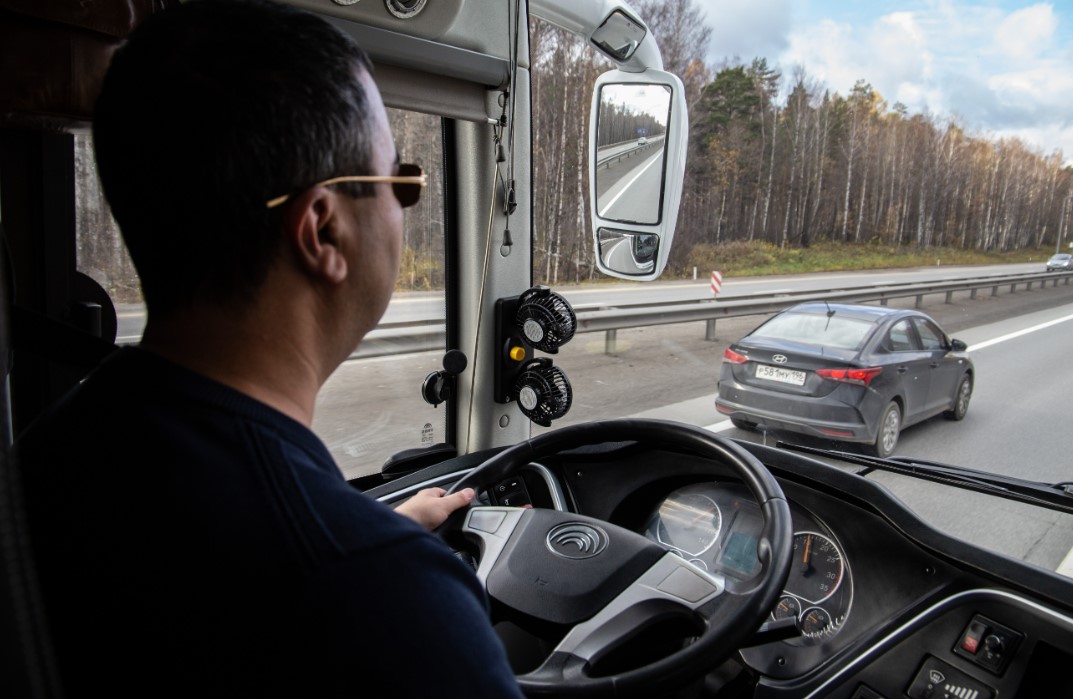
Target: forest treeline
(787, 169)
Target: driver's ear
(312, 228)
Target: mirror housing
(636, 175)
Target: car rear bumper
(827, 418)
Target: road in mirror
(630, 145)
(628, 252)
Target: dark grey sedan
(849, 373)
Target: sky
(1001, 68)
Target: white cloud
(1001, 71)
(1026, 33)
(747, 29)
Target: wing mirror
(637, 155)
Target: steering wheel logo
(577, 540)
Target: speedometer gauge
(688, 522)
(816, 569)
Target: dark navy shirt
(192, 541)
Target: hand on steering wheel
(605, 582)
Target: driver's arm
(430, 507)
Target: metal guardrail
(611, 319)
(409, 337)
(628, 153)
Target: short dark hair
(209, 110)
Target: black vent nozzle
(545, 319)
(543, 392)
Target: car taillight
(732, 357)
(861, 377)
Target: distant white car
(1061, 261)
(642, 141)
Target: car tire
(890, 426)
(961, 400)
(743, 424)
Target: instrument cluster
(716, 527)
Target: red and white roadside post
(717, 282)
(717, 286)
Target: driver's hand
(430, 508)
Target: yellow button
(517, 353)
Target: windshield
(908, 156)
(848, 147)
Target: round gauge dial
(787, 608)
(817, 568)
(689, 522)
(815, 620)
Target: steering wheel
(605, 583)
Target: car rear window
(837, 331)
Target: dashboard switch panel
(937, 680)
(988, 644)
(511, 493)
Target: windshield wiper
(1055, 496)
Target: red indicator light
(861, 377)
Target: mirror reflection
(619, 36)
(627, 252)
(630, 145)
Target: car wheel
(890, 425)
(743, 424)
(961, 400)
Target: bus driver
(192, 535)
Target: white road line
(1019, 333)
(626, 187)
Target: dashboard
(884, 605)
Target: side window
(99, 249)
(931, 338)
(899, 338)
(371, 407)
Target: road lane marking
(626, 187)
(1019, 333)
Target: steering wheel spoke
(492, 527)
(607, 586)
(671, 588)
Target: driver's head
(209, 110)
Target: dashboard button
(937, 680)
(970, 641)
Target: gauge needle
(808, 551)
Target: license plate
(777, 373)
